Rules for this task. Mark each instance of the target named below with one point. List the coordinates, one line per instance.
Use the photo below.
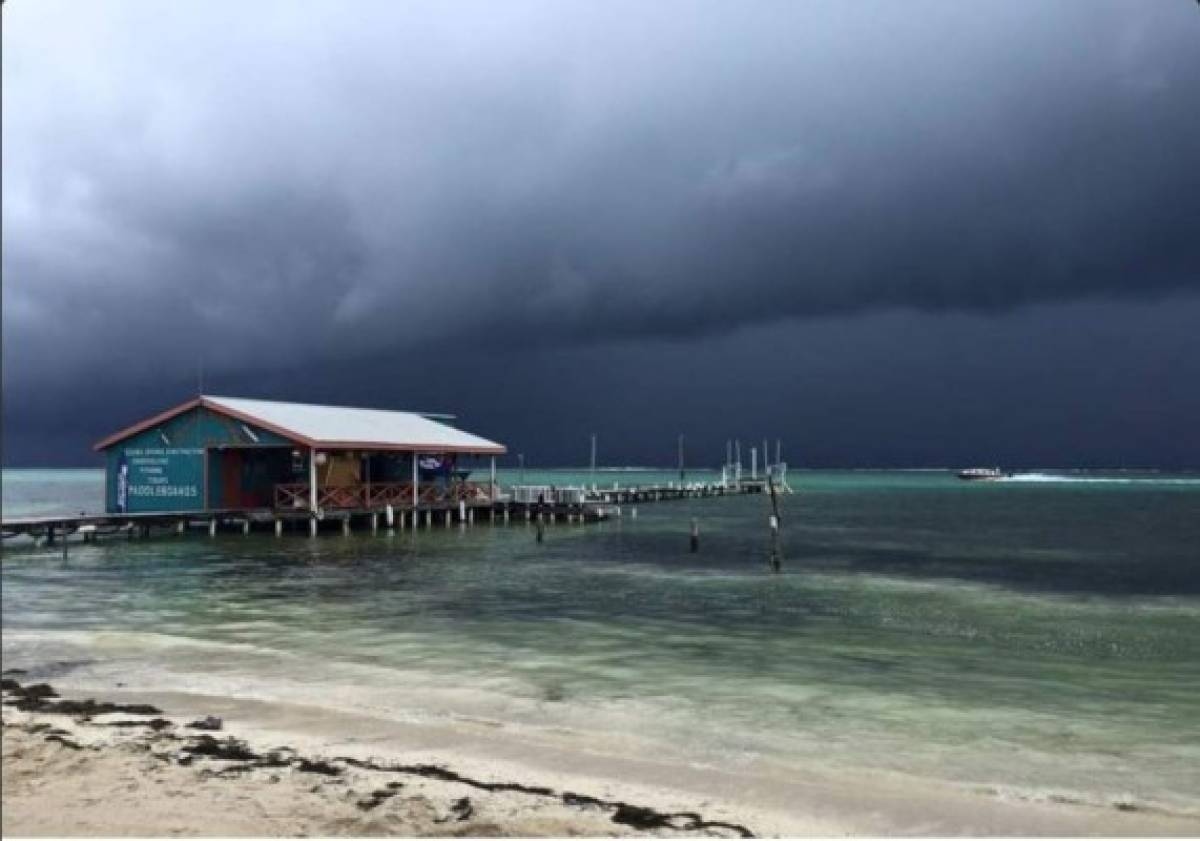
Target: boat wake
(1060, 478)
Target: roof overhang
(149, 423)
(203, 402)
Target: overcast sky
(919, 233)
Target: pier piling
(776, 558)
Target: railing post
(414, 479)
(312, 480)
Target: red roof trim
(146, 424)
(497, 450)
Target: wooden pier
(221, 464)
(522, 504)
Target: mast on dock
(593, 459)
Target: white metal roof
(341, 426)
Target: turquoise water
(46, 492)
(1038, 635)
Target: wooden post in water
(278, 527)
(776, 555)
(346, 526)
(212, 527)
(695, 541)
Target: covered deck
(322, 494)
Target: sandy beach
(124, 769)
(77, 767)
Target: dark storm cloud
(1099, 383)
(289, 189)
(265, 185)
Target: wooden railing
(295, 495)
(291, 495)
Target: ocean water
(1038, 636)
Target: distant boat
(982, 474)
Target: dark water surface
(1039, 635)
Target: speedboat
(981, 474)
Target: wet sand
(280, 769)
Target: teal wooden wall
(164, 466)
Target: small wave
(1121, 801)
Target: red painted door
(231, 479)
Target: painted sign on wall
(162, 478)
